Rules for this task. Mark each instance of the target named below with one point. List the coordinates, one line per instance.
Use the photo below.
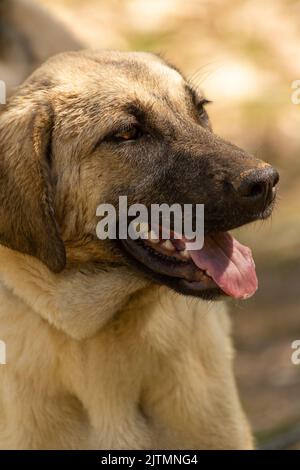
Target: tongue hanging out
(229, 263)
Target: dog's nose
(257, 186)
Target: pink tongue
(229, 263)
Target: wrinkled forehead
(123, 77)
(153, 82)
(155, 76)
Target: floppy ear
(27, 219)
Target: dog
(111, 344)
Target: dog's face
(87, 128)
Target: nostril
(255, 190)
(257, 184)
(252, 188)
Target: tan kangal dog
(112, 343)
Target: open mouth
(222, 267)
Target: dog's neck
(100, 295)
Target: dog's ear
(27, 219)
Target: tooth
(208, 273)
(152, 237)
(168, 245)
(185, 254)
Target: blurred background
(245, 55)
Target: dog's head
(89, 127)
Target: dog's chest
(104, 392)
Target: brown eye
(201, 108)
(132, 133)
(202, 112)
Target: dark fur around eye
(201, 108)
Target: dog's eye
(131, 133)
(201, 109)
